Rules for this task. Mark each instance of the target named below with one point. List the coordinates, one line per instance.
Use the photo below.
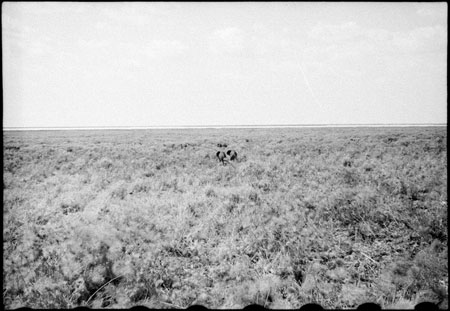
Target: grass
(115, 219)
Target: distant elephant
(221, 156)
(232, 154)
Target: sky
(81, 64)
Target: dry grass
(117, 219)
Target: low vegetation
(117, 219)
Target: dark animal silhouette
(222, 145)
(232, 154)
(221, 156)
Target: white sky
(151, 64)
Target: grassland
(116, 219)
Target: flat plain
(121, 218)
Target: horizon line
(12, 128)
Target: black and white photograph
(225, 155)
